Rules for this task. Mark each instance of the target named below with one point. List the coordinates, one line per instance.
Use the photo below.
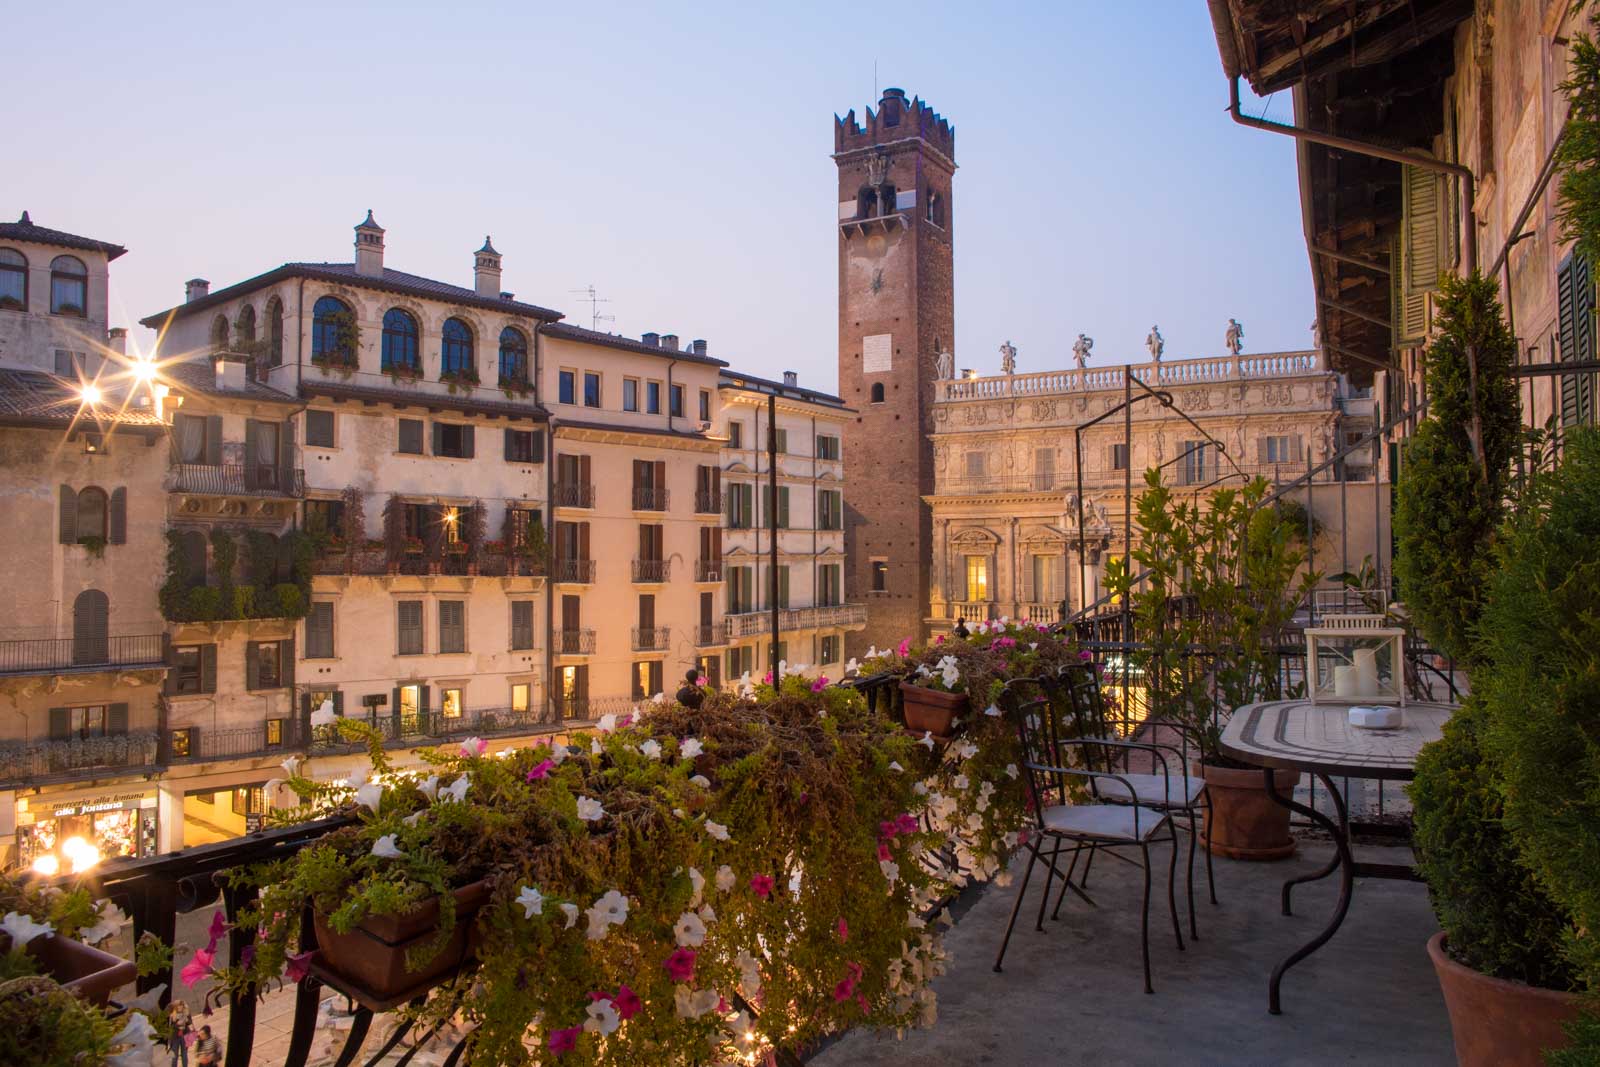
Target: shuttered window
(741, 497)
(783, 506)
(452, 626)
(319, 631)
(521, 624)
(1576, 308)
(91, 612)
(411, 436)
(830, 510)
(1422, 253)
(408, 623)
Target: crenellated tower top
(895, 120)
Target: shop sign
(99, 804)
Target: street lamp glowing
(46, 865)
(90, 394)
(145, 370)
(80, 853)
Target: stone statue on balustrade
(1235, 340)
(1155, 343)
(944, 364)
(1080, 351)
(1008, 358)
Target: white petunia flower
(369, 795)
(749, 974)
(890, 869)
(607, 723)
(532, 902)
(457, 789)
(707, 913)
(960, 781)
(590, 810)
(429, 786)
(610, 910)
(725, 878)
(993, 711)
(659, 698)
(594, 747)
(894, 765)
(23, 929)
(1011, 771)
(384, 848)
(558, 753)
(603, 1018)
(873, 653)
(690, 748)
(700, 780)
(927, 740)
(851, 667)
(697, 880)
(139, 1037)
(692, 1004)
(324, 715)
(717, 830)
(414, 817)
(290, 765)
(109, 923)
(651, 749)
(571, 912)
(690, 931)
(149, 1003)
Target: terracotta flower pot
(1498, 1023)
(930, 711)
(1242, 821)
(85, 970)
(369, 962)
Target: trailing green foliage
(1448, 506)
(42, 1023)
(1578, 191)
(1584, 1050)
(1538, 679)
(184, 596)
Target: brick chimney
(669, 341)
(117, 340)
(232, 371)
(369, 247)
(486, 270)
(195, 289)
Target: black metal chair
(1180, 794)
(1067, 814)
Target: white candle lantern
(1355, 658)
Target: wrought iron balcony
(574, 571)
(399, 729)
(755, 623)
(708, 502)
(708, 570)
(51, 655)
(649, 498)
(572, 642)
(652, 638)
(194, 744)
(709, 634)
(652, 570)
(574, 494)
(65, 760)
(232, 479)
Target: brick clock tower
(896, 314)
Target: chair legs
(1144, 919)
(1211, 881)
(1172, 877)
(1194, 933)
(1016, 905)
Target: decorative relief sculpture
(944, 364)
(1155, 343)
(1080, 351)
(1008, 358)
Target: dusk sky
(674, 156)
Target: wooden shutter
(394, 709)
(569, 613)
(783, 507)
(538, 446)
(69, 515)
(644, 541)
(1567, 319)
(117, 719)
(213, 440)
(338, 701)
(583, 682)
(1421, 253)
(286, 455)
(706, 608)
(1297, 449)
(783, 587)
(250, 432)
(286, 663)
(468, 442)
(410, 436)
(252, 665)
(647, 611)
(118, 519)
(641, 474)
(583, 540)
(438, 437)
(208, 668)
(60, 724)
(509, 436)
(659, 477)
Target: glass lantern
(1355, 659)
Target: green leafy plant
(461, 381)
(403, 372)
(203, 603)
(1578, 158)
(342, 357)
(95, 544)
(1456, 468)
(515, 387)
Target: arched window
(245, 325)
(91, 622)
(219, 331)
(877, 392)
(935, 208)
(69, 286)
(274, 332)
(400, 346)
(866, 202)
(455, 355)
(331, 323)
(92, 514)
(13, 280)
(513, 355)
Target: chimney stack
(698, 346)
(195, 289)
(652, 339)
(232, 373)
(486, 270)
(791, 379)
(369, 247)
(669, 341)
(117, 340)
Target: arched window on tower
(332, 332)
(877, 392)
(244, 327)
(455, 353)
(274, 332)
(219, 332)
(13, 280)
(513, 357)
(69, 286)
(400, 340)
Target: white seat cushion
(1111, 822)
(1174, 791)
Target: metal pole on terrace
(772, 525)
(1127, 509)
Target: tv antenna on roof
(595, 318)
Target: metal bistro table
(1318, 739)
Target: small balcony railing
(66, 760)
(412, 727)
(234, 479)
(708, 570)
(649, 498)
(708, 634)
(574, 494)
(49, 654)
(652, 570)
(572, 642)
(652, 638)
(190, 744)
(574, 571)
(972, 610)
(708, 502)
(755, 623)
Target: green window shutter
(118, 519)
(208, 668)
(69, 515)
(286, 663)
(252, 666)
(538, 446)
(1421, 255)
(117, 719)
(468, 444)
(510, 435)
(1567, 332)
(438, 436)
(213, 440)
(250, 432)
(60, 723)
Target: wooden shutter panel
(394, 709)
(338, 701)
(438, 435)
(208, 668)
(118, 519)
(783, 507)
(1421, 258)
(583, 683)
(510, 435)
(583, 540)
(213, 451)
(468, 442)
(1296, 449)
(252, 665)
(538, 446)
(286, 663)
(286, 454)
(250, 433)
(117, 719)
(659, 475)
(60, 724)
(583, 470)
(69, 515)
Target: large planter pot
(1498, 1023)
(369, 962)
(1242, 822)
(85, 970)
(930, 711)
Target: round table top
(1300, 735)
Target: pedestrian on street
(208, 1050)
(182, 1027)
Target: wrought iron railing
(708, 502)
(576, 571)
(574, 494)
(234, 479)
(48, 654)
(708, 570)
(572, 642)
(651, 570)
(649, 498)
(37, 762)
(375, 561)
(192, 744)
(652, 638)
(711, 633)
(420, 727)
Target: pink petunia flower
(905, 647)
(766, 679)
(627, 1003)
(198, 967)
(761, 885)
(625, 722)
(820, 684)
(884, 855)
(219, 926)
(474, 746)
(298, 967)
(701, 680)
(564, 1041)
(939, 639)
(844, 930)
(680, 965)
(1085, 655)
(542, 770)
(847, 987)
(905, 823)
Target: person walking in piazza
(182, 1026)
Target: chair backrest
(1026, 702)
